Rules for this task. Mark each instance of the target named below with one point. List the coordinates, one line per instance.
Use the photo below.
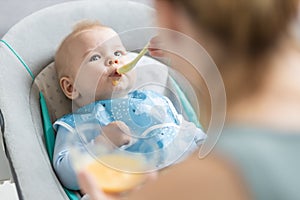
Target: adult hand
(156, 47)
(88, 186)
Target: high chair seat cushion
(47, 82)
(35, 39)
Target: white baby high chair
(35, 40)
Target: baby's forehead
(85, 40)
(96, 36)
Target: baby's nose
(113, 61)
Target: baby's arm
(117, 132)
(61, 158)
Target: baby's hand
(156, 47)
(115, 134)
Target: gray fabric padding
(36, 38)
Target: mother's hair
(244, 26)
(247, 32)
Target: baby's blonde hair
(61, 59)
(85, 25)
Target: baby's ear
(68, 88)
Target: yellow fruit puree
(112, 180)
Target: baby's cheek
(132, 76)
(124, 60)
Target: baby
(86, 64)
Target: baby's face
(95, 56)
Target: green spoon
(129, 66)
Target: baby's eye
(94, 58)
(118, 53)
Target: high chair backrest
(35, 39)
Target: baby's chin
(121, 88)
(124, 84)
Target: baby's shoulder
(66, 121)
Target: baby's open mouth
(115, 74)
(115, 77)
